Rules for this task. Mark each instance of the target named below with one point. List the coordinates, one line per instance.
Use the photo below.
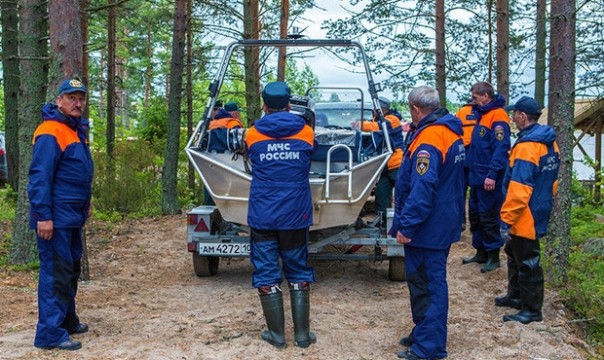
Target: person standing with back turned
(530, 185)
(427, 219)
(279, 146)
(60, 190)
(487, 158)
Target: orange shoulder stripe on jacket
(253, 136)
(64, 135)
(528, 151)
(435, 136)
(496, 115)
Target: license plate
(224, 249)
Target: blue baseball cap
(71, 86)
(231, 106)
(276, 95)
(527, 105)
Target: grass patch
(585, 291)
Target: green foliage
(585, 291)
(128, 183)
(155, 120)
(8, 203)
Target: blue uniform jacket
(488, 152)
(429, 190)
(530, 182)
(279, 146)
(61, 171)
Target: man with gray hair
(427, 219)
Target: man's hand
(402, 239)
(504, 231)
(489, 184)
(45, 229)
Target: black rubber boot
(492, 261)
(524, 316)
(300, 301)
(512, 298)
(480, 257)
(530, 281)
(272, 306)
(508, 301)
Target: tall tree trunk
(65, 42)
(170, 203)
(34, 73)
(189, 90)
(283, 35)
(540, 52)
(490, 41)
(441, 82)
(85, 56)
(148, 73)
(10, 66)
(561, 114)
(251, 30)
(111, 19)
(503, 48)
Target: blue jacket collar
(50, 111)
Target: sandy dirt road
(143, 301)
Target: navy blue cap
(231, 106)
(276, 95)
(527, 105)
(71, 86)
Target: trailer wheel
(205, 265)
(396, 268)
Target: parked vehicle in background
(3, 166)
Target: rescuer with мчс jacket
(279, 146)
(487, 159)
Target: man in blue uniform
(427, 219)
(487, 158)
(530, 184)
(59, 190)
(279, 146)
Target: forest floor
(143, 301)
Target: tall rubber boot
(300, 302)
(272, 306)
(531, 288)
(512, 298)
(492, 261)
(480, 257)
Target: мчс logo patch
(423, 162)
(499, 133)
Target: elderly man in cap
(387, 180)
(279, 146)
(59, 190)
(529, 186)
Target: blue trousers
(426, 272)
(267, 246)
(484, 207)
(57, 286)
